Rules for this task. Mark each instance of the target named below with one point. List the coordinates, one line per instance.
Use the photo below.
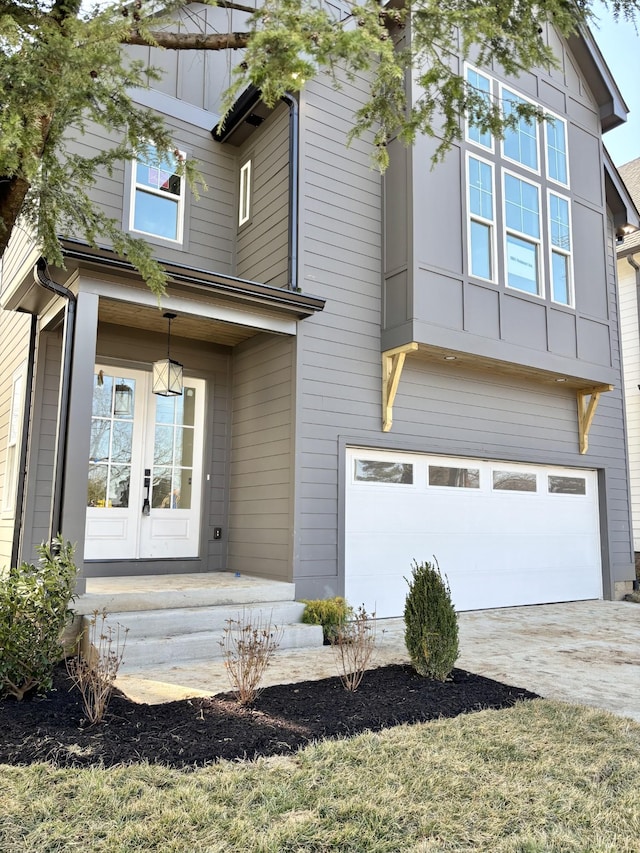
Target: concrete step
(169, 592)
(204, 646)
(146, 624)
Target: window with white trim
(518, 197)
(13, 441)
(157, 195)
(481, 218)
(482, 85)
(560, 248)
(520, 143)
(244, 204)
(522, 234)
(555, 130)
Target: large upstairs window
(513, 202)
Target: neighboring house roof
(630, 174)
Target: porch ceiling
(184, 326)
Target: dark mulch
(195, 732)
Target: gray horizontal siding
(263, 242)
(261, 477)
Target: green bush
(331, 613)
(34, 608)
(431, 623)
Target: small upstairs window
(157, 204)
(244, 206)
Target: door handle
(146, 506)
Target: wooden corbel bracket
(392, 364)
(586, 411)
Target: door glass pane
(184, 447)
(182, 489)
(119, 484)
(173, 451)
(165, 408)
(163, 447)
(122, 441)
(111, 441)
(514, 481)
(97, 491)
(100, 438)
(189, 407)
(161, 488)
(102, 394)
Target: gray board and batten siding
(429, 297)
(442, 409)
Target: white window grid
(524, 236)
(470, 71)
(507, 94)
(548, 147)
(565, 251)
(178, 200)
(490, 223)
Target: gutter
(294, 155)
(24, 444)
(41, 278)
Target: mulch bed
(196, 732)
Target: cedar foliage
(431, 623)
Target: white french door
(145, 468)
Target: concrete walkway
(586, 652)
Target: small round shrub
(431, 623)
(331, 613)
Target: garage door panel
(498, 547)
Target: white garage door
(505, 534)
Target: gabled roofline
(612, 106)
(626, 217)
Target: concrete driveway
(586, 652)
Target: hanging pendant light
(123, 398)
(167, 373)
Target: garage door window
(567, 485)
(374, 471)
(461, 478)
(514, 481)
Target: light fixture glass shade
(123, 400)
(167, 378)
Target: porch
(177, 619)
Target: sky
(620, 46)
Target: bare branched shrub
(95, 666)
(354, 644)
(248, 647)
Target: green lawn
(542, 776)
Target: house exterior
(628, 266)
(375, 369)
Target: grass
(542, 776)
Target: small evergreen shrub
(431, 623)
(34, 608)
(331, 613)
